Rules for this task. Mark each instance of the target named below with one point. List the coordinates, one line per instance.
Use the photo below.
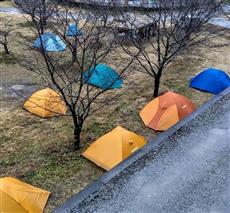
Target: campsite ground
(39, 151)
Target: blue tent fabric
(73, 30)
(211, 80)
(103, 77)
(50, 42)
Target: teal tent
(50, 42)
(73, 30)
(103, 77)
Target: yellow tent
(19, 197)
(45, 103)
(112, 148)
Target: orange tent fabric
(166, 110)
(112, 148)
(45, 103)
(19, 197)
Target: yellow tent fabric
(9, 205)
(19, 197)
(112, 148)
(45, 103)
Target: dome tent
(103, 77)
(113, 147)
(50, 42)
(73, 30)
(17, 196)
(45, 103)
(211, 80)
(166, 110)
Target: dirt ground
(39, 151)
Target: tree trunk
(74, 54)
(156, 86)
(41, 27)
(77, 138)
(77, 131)
(6, 49)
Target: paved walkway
(219, 21)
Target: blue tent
(211, 80)
(50, 42)
(73, 30)
(103, 77)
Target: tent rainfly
(211, 80)
(73, 30)
(113, 147)
(166, 110)
(50, 42)
(103, 76)
(19, 197)
(45, 103)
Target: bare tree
(178, 25)
(40, 11)
(65, 70)
(5, 31)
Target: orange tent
(166, 110)
(112, 148)
(45, 103)
(19, 197)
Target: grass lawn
(39, 151)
